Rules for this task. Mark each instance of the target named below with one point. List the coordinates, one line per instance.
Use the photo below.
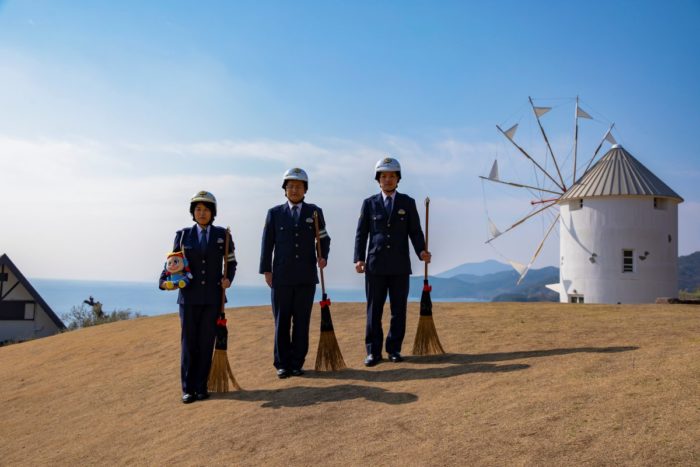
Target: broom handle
(318, 252)
(223, 291)
(427, 213)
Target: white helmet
(203, 197)
(388, 164)
(296, 174)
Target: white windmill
(618, 222)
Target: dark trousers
(198, 323)
(291, 308)
(376, 288)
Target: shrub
(83, 316)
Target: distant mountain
(466, 281)
(485, 267)
(689, 272)
(491, 286)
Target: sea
(147, 299)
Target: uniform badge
(309, 220)
(219, 240)
(401, 212)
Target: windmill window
(660, 203)
(575, 298)
(627, 260)
(576, 204)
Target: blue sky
(115, 113)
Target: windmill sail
(519, 267)
(510, 132)
(610, 138)
(541, 110)
(493, 229)
(493, 175)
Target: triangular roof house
(23, 313)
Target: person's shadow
(455, 365)
(303, 396)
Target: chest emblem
(401, 212)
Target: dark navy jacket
(288, 250)
(206, 266)
(388, 236)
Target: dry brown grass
(522, 384)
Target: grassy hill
(523, 384)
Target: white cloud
(95, 210)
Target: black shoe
(283, 373)
(202, 396)
(372, 360)
(188, 398)
(395, 357)
(298, 372)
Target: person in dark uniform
(200, 301)
(288, 261)
(388, 220)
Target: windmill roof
(618, 173)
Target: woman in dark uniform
(200, 301)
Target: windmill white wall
(618, 234)
(594, 236)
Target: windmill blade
(605, 138)
(525, 218)
(537, 252)
(539, 111)
(520, 185)
(529, 157)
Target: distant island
(496, 282)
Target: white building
(618, 234)
(23, 313)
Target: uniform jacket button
(203, 271)
(204, 261)
(388, 246)
(204, 282)
(297, 256)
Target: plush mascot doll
(177, 272)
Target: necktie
(387, 205)
(203, 240)
(295, 214)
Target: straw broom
(220, 372)
(328, 356)
(427, 341)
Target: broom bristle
(427, 341)
(220, 373)
(328, 357)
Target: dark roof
(5, 260)
(617, 173)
